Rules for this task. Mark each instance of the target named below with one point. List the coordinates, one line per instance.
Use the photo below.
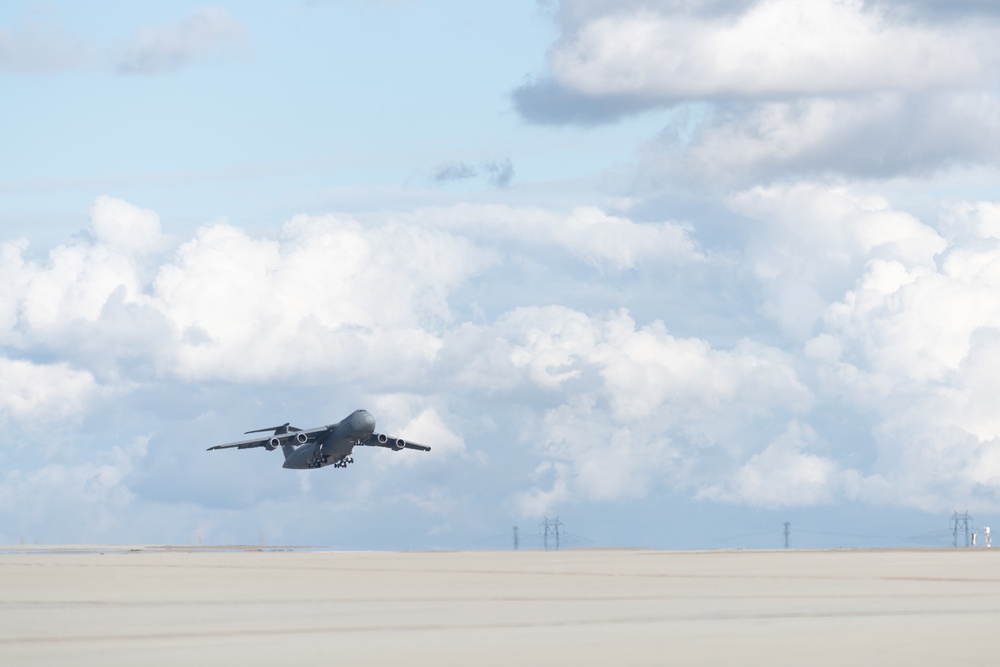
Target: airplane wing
(382, 440)
(294, 436)
(243, 444)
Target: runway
(168, 606)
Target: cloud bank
(888, 316)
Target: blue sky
(326, 105)
(675, 272)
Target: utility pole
(965, 521)
(516, 543)
(550, 527)
(787, 532)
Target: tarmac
(249, 606)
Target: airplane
(324, 445)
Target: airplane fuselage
(335, 446)
(329, 445)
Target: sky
(673, 271)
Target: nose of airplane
(363, 420)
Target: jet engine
(302, 438)
(399, 443)
(273, 444)
(382, 438)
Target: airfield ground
(162, 606)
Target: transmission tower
(788, 531)
(965, 521)
(550, 527)
(516, 541)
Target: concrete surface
(163, 606)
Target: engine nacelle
(399, 443)
(273, 444)
(382, 438)
(302, 438)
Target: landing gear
(343, 463)
(317, 462)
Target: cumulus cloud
(638, 407)
(912, 342)
(814, 241)
(208, 32)
(327, 296)
(40, 44)
(90, 297)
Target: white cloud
(874, 135)
(121, 225)
(90, 295)
(774, 48)
(208, 32)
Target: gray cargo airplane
(324, 445)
